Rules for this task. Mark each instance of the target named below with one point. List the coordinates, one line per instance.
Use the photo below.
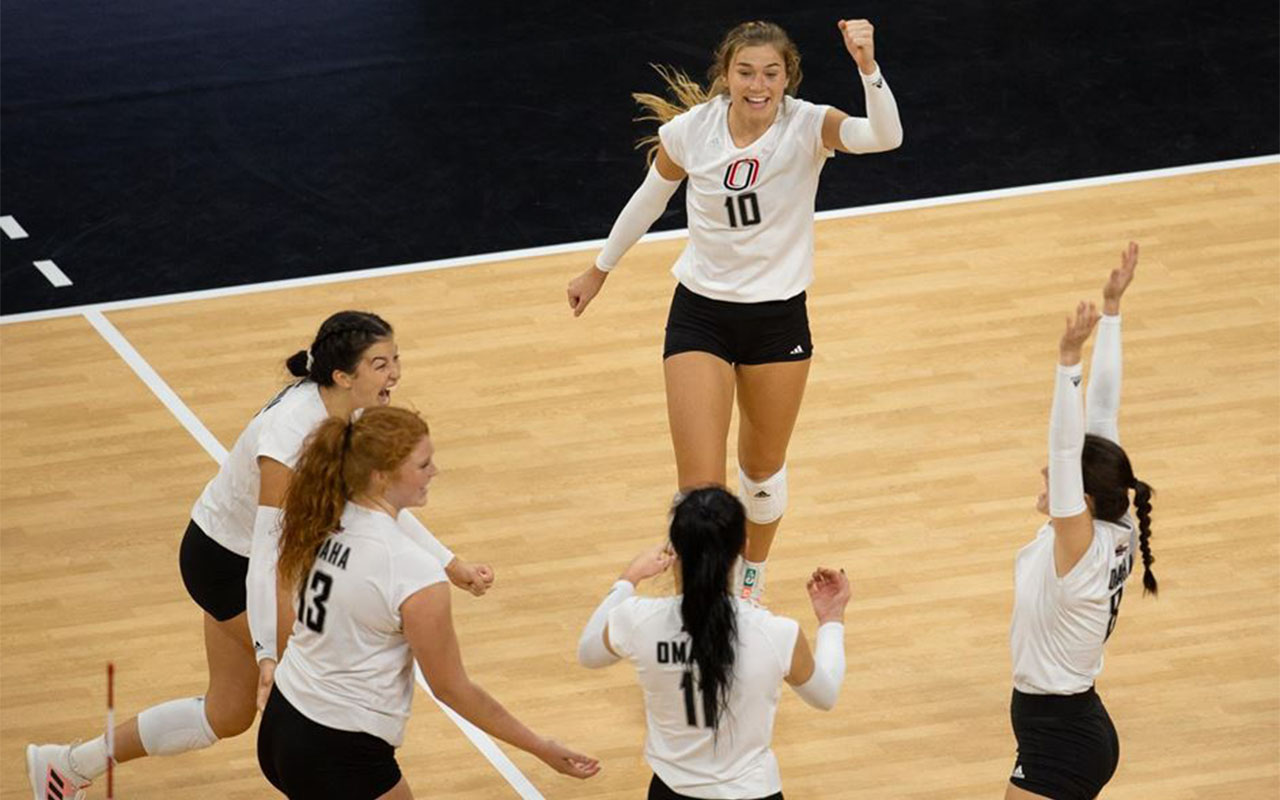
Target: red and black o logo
(741, 174)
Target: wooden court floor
(914, 466)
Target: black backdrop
(155, 146)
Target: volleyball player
(752, 153)
(370, 602)
(711, 664)
(1069, 580)
(352, 363)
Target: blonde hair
(337, 462)
(688, 93)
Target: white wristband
(644, 208)
(591, 650)
(260, 582)
(823, 687)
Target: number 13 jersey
(348, 664)
(683, 751)
(750, 208)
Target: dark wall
(153, 146)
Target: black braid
(1142, 502)
(339, 344)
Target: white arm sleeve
(1102, 399)
(591, 650)
(823, 687)
(881, 129)
(418, 532)
(260, 582)
(1066, 443)
(644, 208)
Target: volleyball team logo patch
(741, 174)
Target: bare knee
(230, 713)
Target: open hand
(1119, 280)
(829, 592)
(1077, 333)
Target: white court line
(485, 745)
(213, 447)
(50, 270)
(157, 386)
(572, 247)
(11, 227)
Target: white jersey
(229, 502)
(1060, 624)
(681, 749)
(750, 208)
(348, 665)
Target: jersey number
(748, 209)
(690, 699)
(1115, 611)
(312, 614)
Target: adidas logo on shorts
(798, 350)
(1017, 772)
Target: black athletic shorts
(740, 333)
(214, 576)
(1067, 746)
(660, 791)
(309, 761)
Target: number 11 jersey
(735, 761)
(750, 208)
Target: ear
(343, 379)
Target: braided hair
(339, 344)
(1108, 479)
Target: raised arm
(816, 674)
(881, 129)
(428, 626)
(644, 208)
(1072, 522)
(1102, 400)
(593, 645)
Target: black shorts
(740, 333)
(309, 761)
(660, 791)
(1067, 746)
(213, 575)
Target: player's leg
(699, 407)
(1012, 792)
(769, 398)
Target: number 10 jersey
(750, 208)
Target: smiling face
(376, 374)
(757, 81)
(407, 486)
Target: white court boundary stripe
(50, 270)
(157, 386)
(11, 228)
(571, 247)
(213, 447)
(484, 744)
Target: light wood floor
(914, 466)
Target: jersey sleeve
(811, 127)
(622, 627)
(1089, 577)
(283, 436)
(672, 134)
(411, 569)
(782, 633)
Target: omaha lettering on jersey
(334, 553)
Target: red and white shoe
(50, 773)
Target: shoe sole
(31, 772)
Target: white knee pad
(175, 727)
(765, 500)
